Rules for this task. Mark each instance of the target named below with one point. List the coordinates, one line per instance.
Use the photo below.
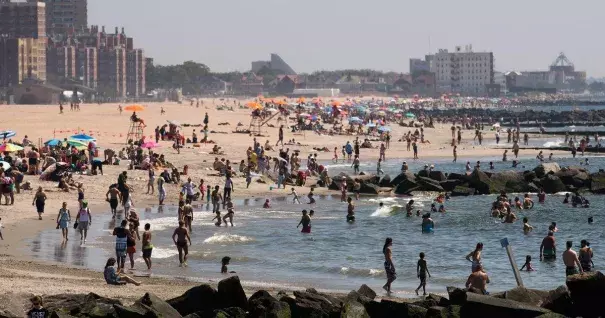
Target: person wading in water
(389, 267)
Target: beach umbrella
(254, 105)
(174, 122)
(7, 134)
(8, 147)
(335, 103)
(272, 110)
(410, 115)
(370, 125)
(134, 108)
(78, 143)
(301, 100)
(384, 128)
(52, 142)
(150, 144)
(5, 165)
(82, 137)
(354, 119)
(303, 115)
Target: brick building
(22, 42)
(65, 16)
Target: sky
(314, 35)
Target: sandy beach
(104, 122)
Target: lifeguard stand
(255, 123)
(135, 132)
(282, 119)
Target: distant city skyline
(353, 34)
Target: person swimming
(310, 196)
(427, 223)
(526, 227)
(527, 265)
(518, 204)
(442, 209)
(590, 220)
(417, 212)
(267, 204)
(350, 210)
(553, 227)
(527, 202)
(567, 197)
(433, 207)
(409, 206)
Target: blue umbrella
(52, 142)
(371, 125)
(384, 128)
(353, 119)
(83, 137)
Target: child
(433, 207)
(310, 196)
(217, 218)
(442, 209)
(421, 271)
(129, 204)
(267, 204)
(553, 227)
(224, 262)
(527, 264)
(343, 153)
(230, 212)
(37, 310)
(248, 177)
(335, 159)
(526, 227)
(208, 192)
(295, 198)
(378, 168)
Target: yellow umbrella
(8, 147)
(134, 108)
(254, 105)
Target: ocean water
(267, 249)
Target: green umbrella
(410, 115)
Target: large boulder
(559, 301)
(458, 176)
(527, 296)
(437, 175)
(408, 175)
(428, 184)
(366, 291)
(398, 309)
(305, 304)
(196, 299)
(152, 304)
(485, 306)
(369, 188)
(406, 186)
(262, 304)
(546, 168)
(462, 191)
(480, 181)
(574, 176)
(385, 181)
(231, 293)
(456, 295)
(449, 185)
(353, 309)
(81, 305)
(509, 181)
(552, 184)
(597, 182)
(587, 292)
(440, 300)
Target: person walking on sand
(39, 201)
(421, 271)
(280, 136)
(147, 246)
(182, 240)
(151, 181)
(63, 219)
(113, 196)
(389, 267)
(131, 244)
(382, 152)
(162, 190)
(455, 152)
(84, 220)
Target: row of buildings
(48, 42)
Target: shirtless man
(478, 280)
(113, 196)
(570, 258)
(350, 210)
(548, 249)
(230, 212)
(181, 239)
(188, 215)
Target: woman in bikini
(475, 257)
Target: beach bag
(76, 225)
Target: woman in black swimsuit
(389, 267)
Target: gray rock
(408, 175)
(196, 299)
(231, 294)
(509, 181)
(369, 188)
(481, 182)
(156, 307)
(385, 181)
(406, 186)
(462, 191)
(262, 304)
(76, 304)
(485, 306)
(559, 301)
(597, 182)
(587, 292)
(456, 295)
(437, 175)
(437, 312)
(524, 295)
(353, 309)
(428, 184)
(552, 184)
(449, 185)
(441, 301)
(396, 309)
(366, 291)
(546, 168)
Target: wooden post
(511, 258)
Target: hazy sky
(379, 34)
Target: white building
(465, 72)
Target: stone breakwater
(580, 297)
(548, 176)
(524, 116)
